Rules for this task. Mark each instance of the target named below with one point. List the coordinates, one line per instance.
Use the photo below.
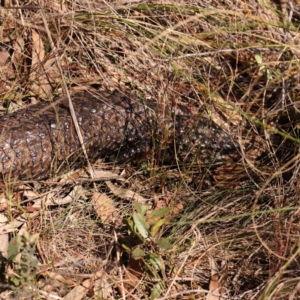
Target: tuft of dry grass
(148, 230)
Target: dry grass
(233, 61)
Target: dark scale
(37, 141)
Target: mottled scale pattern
(40, 140)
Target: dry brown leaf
(107, 174)
(74, 194)
(58, 7)
(30, 208)
(6, 68)
(130, 281)
(18, 56)
(69, 177)
(44, 71)
(227, 110)
(135, 267)
(3, 237)
(102, 176)
(101, 173)
(178, 208)
(50, 76)
(4, 206)
(40, 84)
(77, 293)
(3, 202)
(51, 198)
(125, 193)
(133, 274)
(215, 287)
(104, 207)
(103, 288)
(4, 55)
(11, 226)
(28, 192)
(60, 278)
(38, 51)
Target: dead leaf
(30, 208)
(135, 267)
(4, 55)
(18, 55)
(40, 84)
(29, 193)
(77, 293)
(215, 287)
(3, 237)
(103, 288)
(11, 226)
(60, 278)
(7, 69)
(53, 199)
(125, 193)
(228, 111)
(104, 207)
(69, 177)
(133, 274)
(38, 51)
(101, 176)
(44, 71)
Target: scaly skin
(40, 141)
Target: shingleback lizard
(40, 140)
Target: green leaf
(138, 208)
(141, 209)
(157, 290)
(33, 262)
(156, 227)
(155, 261)
(141, 225)
(267, 74)
(131, 228)
(261, 64)
(138, 253)
(180, 249)
(13, 249)
(144, 209)
(164, 243)
(258, 57)
(159, 213)
(15, 281)
(125, 247)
